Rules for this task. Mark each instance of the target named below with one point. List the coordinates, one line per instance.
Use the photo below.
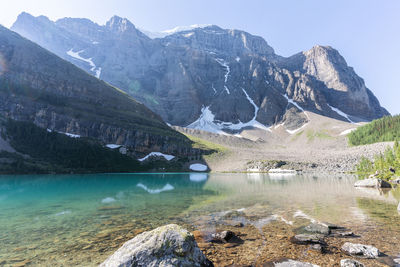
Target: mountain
(39, 87)
(210, 78)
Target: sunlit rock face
(233, 75)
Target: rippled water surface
(81, 219)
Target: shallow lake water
(50, 220)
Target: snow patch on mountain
(341, 113)
(296, 130)
(184, 28)
(224, 64)
(93, 68)
(346, 132)
(215, 90)
(198, 167)
(291, 101)
(177, 29)
(207, 123)
(157, 154)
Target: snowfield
(93, 68)
(198, 167)
(346, 132)
(158, 154)
(113, 146)
(224, 64)
(291, 101)
(341, 113)
(206, 121)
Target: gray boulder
(350, 263)
(318, 228)
(293, 263)
(304, 239)
(168, 245)
(373, 182)
(360, 250)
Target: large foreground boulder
(373, 182)
(169, 245)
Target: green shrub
(381, 164)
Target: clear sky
(366, 32)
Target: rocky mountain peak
(120, 25)
(221, 41)
(210, 76)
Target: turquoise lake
(67, 220)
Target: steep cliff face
(343, 87)
(38, 86)
(211, 78)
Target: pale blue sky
(366, 32)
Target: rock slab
(168, 245)
(293, 263)
(360, 250)
(373, 182)
(350, 263)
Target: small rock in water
(343, 234)
(233, 223)
(350, 263)
(169, 245)
(317, 247)
(373, 182)
(304, 239)
(318, 228)
(360, 250)
(116, 207)
(234, 214)
(293, 263)
(226, 237)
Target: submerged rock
(226, 237)
(169, 245)
(360, 250)
(350, 263)
(304, 239)
(373, 182)
(293, 263)
(318, 228)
